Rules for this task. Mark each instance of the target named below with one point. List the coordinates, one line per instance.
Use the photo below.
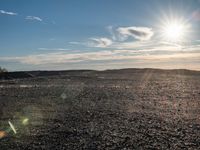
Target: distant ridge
(32, 74)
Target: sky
(99, 34)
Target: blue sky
(98, 34)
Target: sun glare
(174, 31)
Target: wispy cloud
(139, 33)
(75, 43)
(95, 42)
(33, 18)
(100, 42)
(159, 54)
(27, 17)
(119, 38)
(53, 49)
(112, 32)
(7, 13)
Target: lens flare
(2, 134)
(174, 29)
(12, 127)
(25, 121)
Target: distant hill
(32, 74)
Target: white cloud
(75, 43)
(164, 54)
(53, 49)
(139, 33)
(118, 37)
(8, 13)
(33, 18)
(99, 42)
(112, 33)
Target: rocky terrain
(113, 109)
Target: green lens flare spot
(25, 121)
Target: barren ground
(144, 109)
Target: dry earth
(119, 109)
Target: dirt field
(119, 109)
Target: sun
(174, 30)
